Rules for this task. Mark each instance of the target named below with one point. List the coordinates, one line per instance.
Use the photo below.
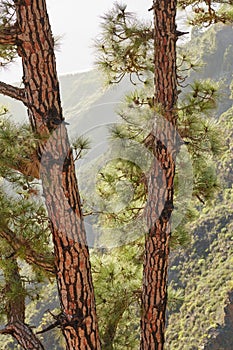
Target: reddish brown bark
(12, 91)
(24, 335)
(160, 181)
(35, 45)
(8, 35)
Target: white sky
(78, 24)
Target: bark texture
(12, 91)
(35, 45)
(8, 35)
(24, 335)
(162, 140)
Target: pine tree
(27, 28)
(161, 187)
(123, 51)
(49, 129)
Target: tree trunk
(15, 309)
(35, 45)
(162, 141)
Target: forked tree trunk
(160, 182)
(35, 44)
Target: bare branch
(8, 36)
(13, 91)
(23, 334)
(63, 321)
(52, 326)
(200, 199)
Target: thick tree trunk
(165, 76)
(160, 181)
(35, 45)
(15, 309)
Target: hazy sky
(78, 24)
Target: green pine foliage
(206, 13)
(125, 45)
(24, 225)
(200, 273)
(117, 277)
(203, 137)
(7, 52)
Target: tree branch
(31, 256)
(52, 326)
(8, 36)
(13, 91)
(23, 334)
(15, 308)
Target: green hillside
(87, 103)
(204, 271)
